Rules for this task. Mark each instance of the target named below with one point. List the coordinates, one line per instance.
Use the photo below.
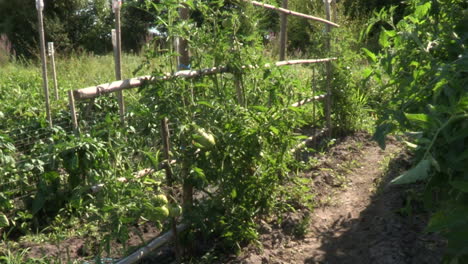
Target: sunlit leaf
(370, 55)
(417, 173)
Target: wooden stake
(71, 101)
(118, 57)
(283, 32)
(170, 180)
(40, 8)
(314, 119)
(328, 71)
(183, 60)
(239, 91)
(183, 63)
(50, 46)
(334, 11)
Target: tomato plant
(422, 69)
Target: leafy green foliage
(423, 74)
(232, 140)
(231, 134)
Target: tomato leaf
(420, 172)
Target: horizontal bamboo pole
(139, 174)
(292, 13)
(156, 243)
(148, 171)
(307, 140)
(95, 91)
(308, 100)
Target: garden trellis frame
(183, 72)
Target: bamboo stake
(170, 181)
(71, 101)
(293, 13)
(309, 100)
(307, 140)
(156, 243)
(118, 57)
(95, 91)
(54, 73)
(40, 8)
(328, 71)
(283, 32)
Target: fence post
(117, 44)
(71, 101)
(40, 8)
(54, 73)
(170, 180)
(334, 11)
(283, 31)
(328, 100)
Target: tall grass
(21, 92)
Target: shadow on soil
(388, 231)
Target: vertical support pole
(239, 90)
(328, 100)
(71, 101)
(170, 180)
(314, 103)
(51, 49)
(118, 57)
(40, 8)
(334, 11)
(183, 63)
(283, 32)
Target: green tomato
(204, 138)
(160, 199)
(175, 210)
(159, 213)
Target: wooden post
(183, 63)
(50, 46)
(170, 180)
(71, 101)
(183, 60)
(283, 32)
(334, 11)
(117, 43)
(328, 66)
(314, 120)
(239, 90)
(40, 8)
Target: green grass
(22, 94)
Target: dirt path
(360, 220)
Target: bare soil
(83, 248)
(359, 217)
